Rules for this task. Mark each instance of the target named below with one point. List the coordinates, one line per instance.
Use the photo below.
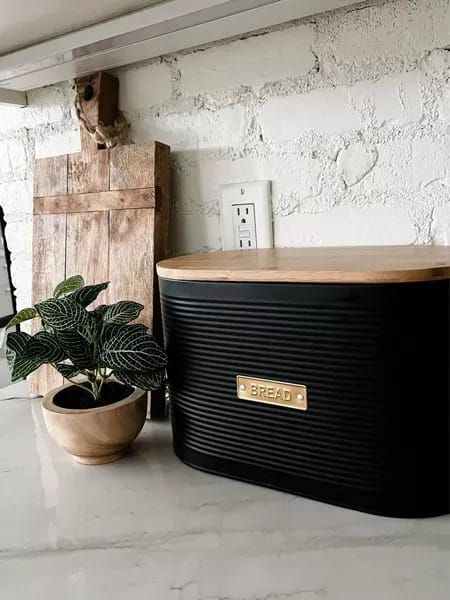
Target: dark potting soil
(75, 397)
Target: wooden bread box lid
(351, 264)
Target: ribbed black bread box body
(374, 358)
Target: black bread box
(321, 371)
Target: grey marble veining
(150, 528)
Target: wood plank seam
(95, 201)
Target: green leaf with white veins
(134, 351)
(63, 313)
(15, 345)
(23, 366)
(67, 371)
(88, 293)
(122, 312)
(68, 285)
(44, 345)
(144, 381)
(100, 310)
(112, 330)
(23, 315)
(78, 348)
(20, 365)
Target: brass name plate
(272, 392)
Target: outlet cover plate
(236, 198)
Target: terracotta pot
(96, 436)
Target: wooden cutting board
(102, 213)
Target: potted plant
(109, 363)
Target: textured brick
(50, 143)
(253, 61)
(394, 99)
(444, 104)
(322, 111)
(12, 159)
(16, 199)
(198, 130)
(18, 237)
(45, 105)
(143, 87)
(396, 32)
(356, 161)
(393, 170)
(440, 226)
(430, 160)
(410, 164)
(293, 178)
(345, 226)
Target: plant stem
(100, 387)
(95, 387)
(83, 387)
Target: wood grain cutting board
(102, 213)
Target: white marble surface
(150, 528)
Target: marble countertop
(150, 528)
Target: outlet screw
(299, 396)
(242, 387)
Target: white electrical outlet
(246, 215)
(244, 226)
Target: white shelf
(162, 28)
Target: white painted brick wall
(375, 225)
(144, 87)
(195, 130)
(392, 100)
(347, 113)
(440, 224)
(321, 111)
(250, 62)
